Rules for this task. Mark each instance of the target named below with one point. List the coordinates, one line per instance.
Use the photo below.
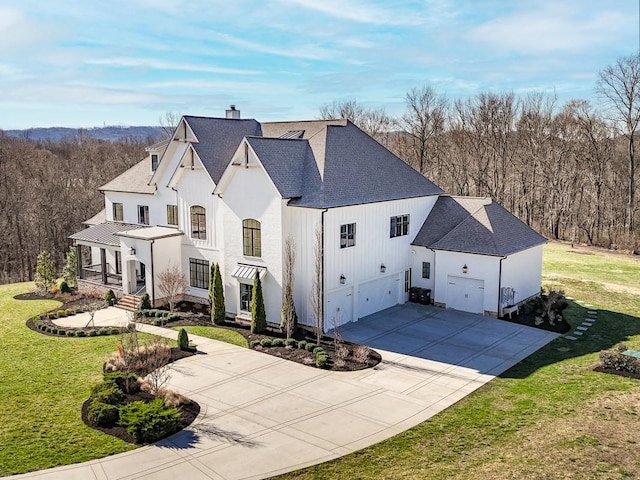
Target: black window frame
(118, 212)
(348, 235)
(399, 226)
(155, 160)
(199, 271)
(118, 262)
(143, 214)
(251, 238)
(426, 270)
(246, 294)
(172, 214)
(198, 222)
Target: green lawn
(43, 382)
(216, 333)
(551, 416)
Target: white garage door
(466, 294)
(339, 308)
(377, 295)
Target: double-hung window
(199, 273)
(251, 238)
(172, 215)
(426, 270)
(399, 226)
(143, 214)
(347, 235)
(198, 223)
(118, 212)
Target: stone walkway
(262, 415)
(591, 317)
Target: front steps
(130, 303)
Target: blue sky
(89, 63)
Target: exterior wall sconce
(465, 269)
(132, 251)
(343, 279)
(383, 268)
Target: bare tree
(171, 284)
(157, 358)
(92, 308)
(317, 293)
(375, 122)
(619, 86)
(288, 323)
(169, 121)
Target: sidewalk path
(262, 416)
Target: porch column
(79, 262)
(103, 265)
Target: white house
(231, 191)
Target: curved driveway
(262, 415)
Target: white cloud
(555, 28)
(309, 52)
(358, 11)
(160, 65)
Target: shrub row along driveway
(262, 415)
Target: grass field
(549, 417)
(222, 334)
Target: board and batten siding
(361, 264)
(522, 271)
(249, 194)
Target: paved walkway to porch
(262, 415)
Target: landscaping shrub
(254, 343)
(110, 298)
(81, 333)
(125, 381)
(361, 354)
(61, 313)
(64, 287)
(115, 331)
(310, 346)
(277, 342)
(302, 344)
(71, 333)
(149, 422)
(69, 312)
(258, 312)
(102, 414)
(290, 342)
(322, 360)
(318, 350)
(183, 340)
(265, 342)
(54, 331)
(107, 392)
(92, 333)
(62, 331)
(145, 303)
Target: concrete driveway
(262, 415)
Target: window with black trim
(347, 235)
(251, 238)
(246, 294)
(154, 161)
(198, 223)
(426, 270)
(172, 215)
(199, 273)
(143, 214)
(118, 262)
(399, 226)
(118, 212)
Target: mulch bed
(529, 320)
(620, 373)
(189, 412)
(69, 300)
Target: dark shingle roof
(104, 233)
(218, 140)
(284, 161)
(475, 225)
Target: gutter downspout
(433, 294)
(500, 287)
(322, 212)
(153, 284)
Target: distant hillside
(112, 134)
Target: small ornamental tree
(183, 339)
(258, 314)
(212, 282)
(70, 270)
(217, 308)
(145, 303)
(171, 284)
(45, 276)
(289, 318)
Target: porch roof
(105, 233)
(248, 272)
(150, 233)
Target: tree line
(568, 170)
(47, 189)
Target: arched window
(251, 238)
(198, 223)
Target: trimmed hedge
(149, 422)
(103, 414)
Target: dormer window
(155, 158)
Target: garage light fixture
(383, 268)
(132, 251)
(343, 279)
(465, 269)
